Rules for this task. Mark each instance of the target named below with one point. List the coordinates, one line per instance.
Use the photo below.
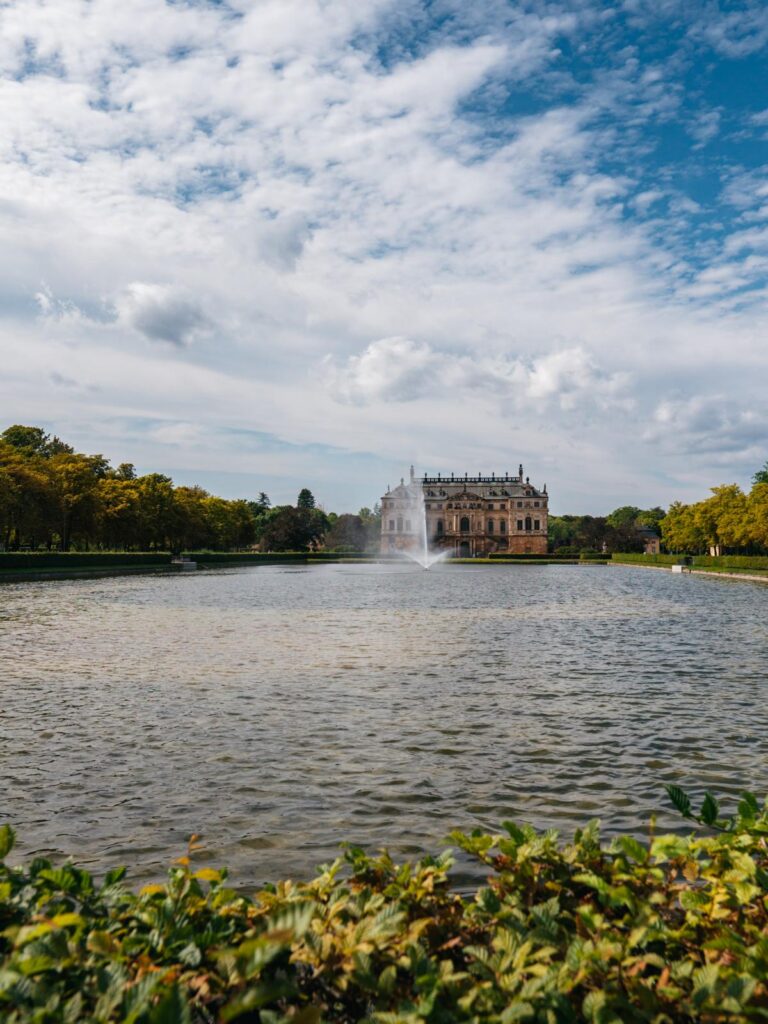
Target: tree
(292, 529)
(262, 502)
(722, 518)
(306, 499)
(761, 476)
(680, 531)
(757, 515)
(75, 479)
(118, 514)
(126, 471)
(347, 533)
(651, 518)
(34, 441)
(158, 511)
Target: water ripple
(279, 712)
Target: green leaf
(748, 805)
(709, 810)
(7, 839)
(172, 1009)
(680, 800)
(114, 876)
(633, 849)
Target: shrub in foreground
(672, 931)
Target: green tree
(118, 515)
(75, 480)
(757, 515)
(306, 499)
(157, 510)
(722, 518)
(652, 518)
(761, 476)
(293, 529)
(347, 533)
(34, 441)
(680, 531)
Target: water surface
(279, 710)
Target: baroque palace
(469, 515)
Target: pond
(281, 709)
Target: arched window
(399, 524)
(439, 527)
(464, 524)
(503, 526)
(527, 523)
(490, 526)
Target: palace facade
(467, 515)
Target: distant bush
(590, 554)
(673, 931)
(568, 549)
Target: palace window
(490, 526)
(519, 524)
(439, 526)
(407, 525)
(536, 524)
(391, 525)
(464, 524)
(399, 524)
(519, 504)
(535, 504)
(527, 523)
(503, 526)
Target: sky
(282, 243)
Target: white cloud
(252, 192)
(735, 33)
(401, 370)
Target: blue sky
(290, 242)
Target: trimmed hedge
(732, 561)
(79, 559)
(632, 556)
(667, 932)
(698, 561)
(510, 557)
(76, 560)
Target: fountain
(421, 552)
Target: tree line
(728, 519)
(55, 498)
(619, 531)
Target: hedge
(632, 556)
(95, 559)
(79, 559)
(674, 930)
(698, 561)
(510, 557)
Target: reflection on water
(280, 710)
